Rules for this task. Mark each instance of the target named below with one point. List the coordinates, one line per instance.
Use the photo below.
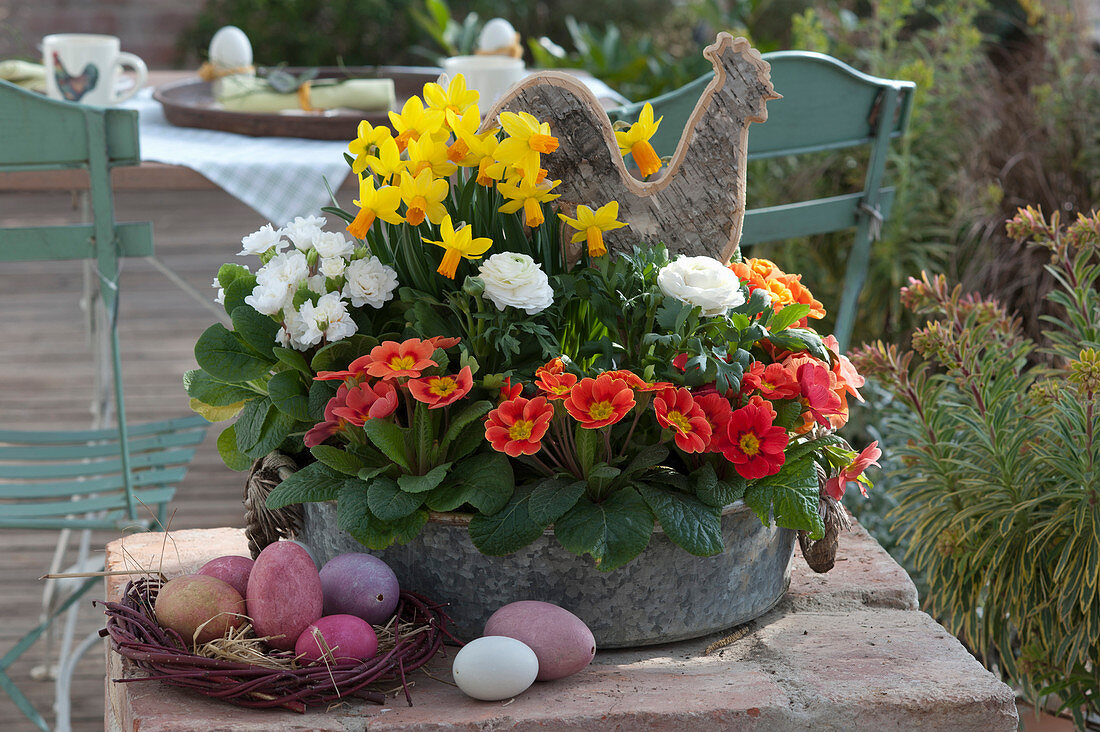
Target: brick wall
(148, 28)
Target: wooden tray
(190, 103)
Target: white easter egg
(230, 48)
(496, 34)
(495, 667)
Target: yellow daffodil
(465, 128)
(367, 137)
(380, 204)
(591, 224)
(482, 151)
(387, 164)
(528, 196)
(456, 97)
(424, 196)
(428, 153)
(635, 141)
(458, 245)
(527, 140)
(415, 121)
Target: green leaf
(586, 441)
(354, 516)
(227, 273)
(484, 481)
(390, 439)
(426, 482)
(233, 458)
(469, 440)
(791, 496)
(337, 356)
(553, 497)
(422, 432)
(507, 530)
(388, 502)
(320, 392)
(257, 330)
(294, 360)
(337, 459)
(787, 413)
(314, 482)
(613, 532)
(688, 521)
(468, 415)
(261, 428)
(286, 391)
(645, 459)
(237, 290)
(788, 316)
(215, 414)
(226, 358)
(722, 493)
(208, 390)
(405, 529)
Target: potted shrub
(465, 371)
(1000, 498)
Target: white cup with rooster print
(84, 67)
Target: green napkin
(248, 94)
(24, 73)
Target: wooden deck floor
(46, 380)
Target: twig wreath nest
(242, 671)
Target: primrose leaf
(314, 482)
(612, 532)
(686, 520)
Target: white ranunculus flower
(516, 280)
(333, 244)
(703, 282)
(329, 318)
(369, 282)
(261, 241)
(304, 231)
(332, 266)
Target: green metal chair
(826, 105)
(117, 479)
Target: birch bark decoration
(697, 205)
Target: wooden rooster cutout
(696, 207)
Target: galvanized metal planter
(663, 595)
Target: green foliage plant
(999, 502)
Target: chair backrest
(37, 133)
(826, 105)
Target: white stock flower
(332, 266)
(329, 319)
(369, 282)
(703, 282)
(333, 244)
(304, 231)
(261, 241)
(294, 327)
(516, 280)
(277, 281)
(220, 299)
(269, 300)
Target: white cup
(83, 67)
(490, 75)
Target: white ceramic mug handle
(130, 60)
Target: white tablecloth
(279, 177)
